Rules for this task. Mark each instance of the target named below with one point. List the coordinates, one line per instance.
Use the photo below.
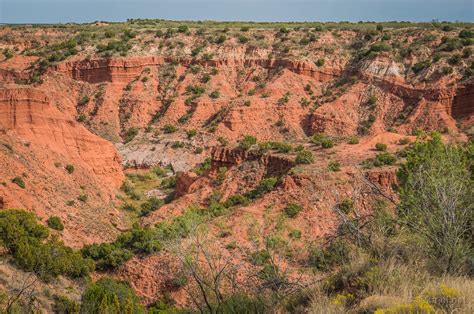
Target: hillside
(239, 144)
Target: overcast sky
(53, 11)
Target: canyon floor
(277, 132)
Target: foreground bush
(32, 250)
(110, 296)
(437, 202)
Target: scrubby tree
(110, 296)
(437, 202)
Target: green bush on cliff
(54, 222)
(264, 186)
(292, 210)
(130, 134)
(304, 157)
(19, 181)
(247, 142)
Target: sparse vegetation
(334, 166)
(19, 181)
(292, 210)
(304, 157)
(54, 222)
(247, 142)
(130, 134)
(233, 236)
(32, 250)
(381, 147)
(169, 128)
(69, 169)
(110, 296)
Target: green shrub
(319, 62)
(63, 305)
(384, 159)
(220, 39)
(236, 199)
(242, 303)
(69, 168)
(264, 186)
(54, 222)
(195, 90)
(281, 147)
(109, 34)
(247, 142)
(130, 134)
(318, 138)
(106, 256)
(304, 41)
(466, 33)
(221, 175)
(168, 183)
(223, 141)
(404, 141)
(183, 28)
(27, 242)
(346, 206)
(177, 144)
(205, 78)
(81, 118)
(169, 128)
(353, 140)
(292, 210)
(19, 181)
(83, 198)
(447, 70)
(380, 46)
(294, 234)
(420, 66)
(455, 60)
(325, 258)
(215, 94)
(18, 227)
(84, 100)
(191, 133)
(381, 147)
(8, 54)
(437, 182)
(260, 257)
(334, 166)
(203, 167)
(304, 157)
(372, 101)
(110, 296)
(242, 39)
(111, 255)
(195, 51)
(327, 143)
(198, 150)
(150, 205)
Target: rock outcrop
(39, 142)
